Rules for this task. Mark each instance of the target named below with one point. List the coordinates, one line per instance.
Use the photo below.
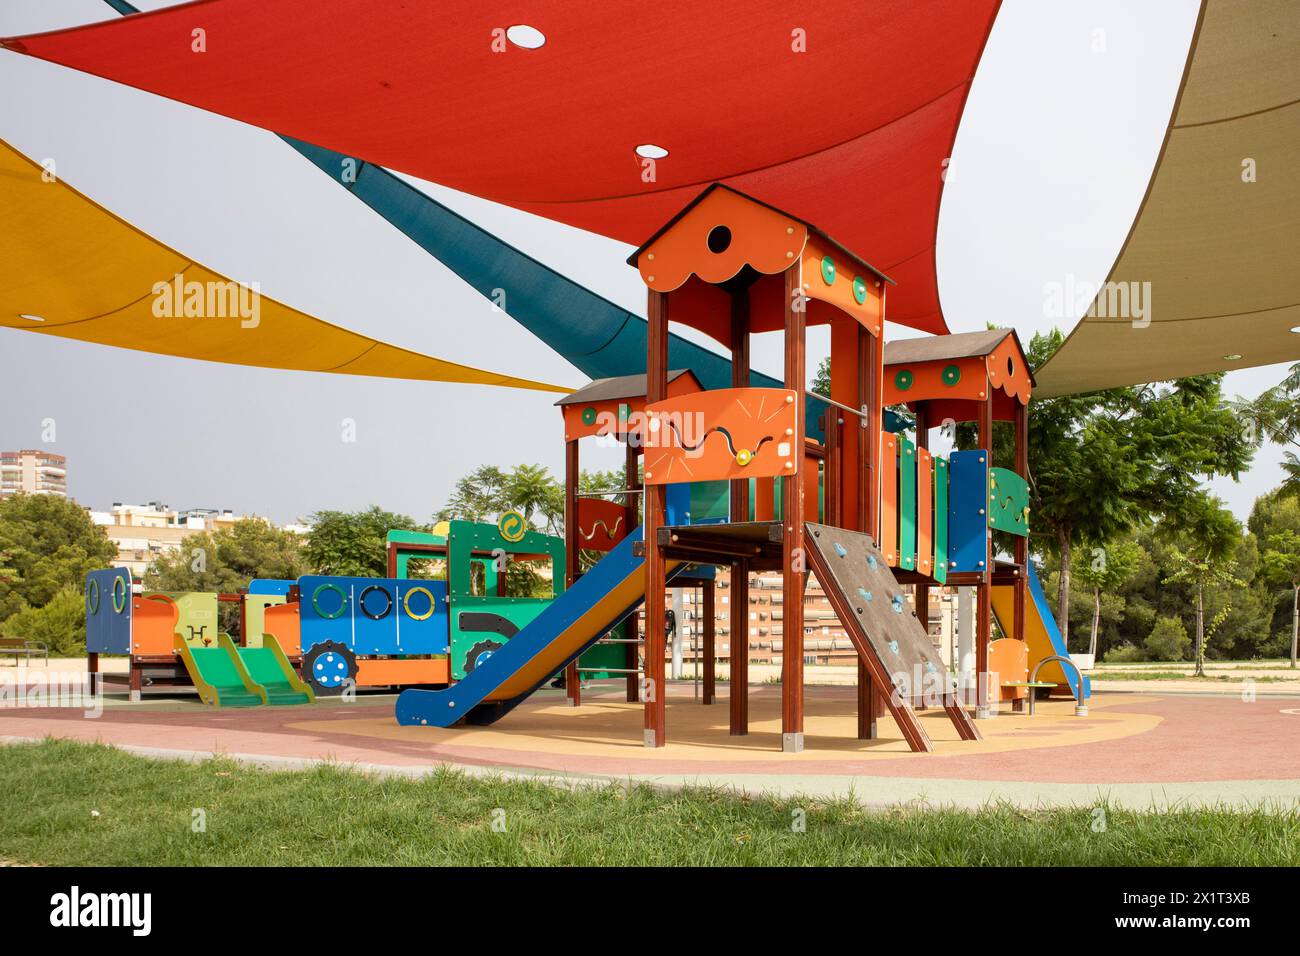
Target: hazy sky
(1053, 156)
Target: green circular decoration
(343, 600)
(903, 380)
(588, 416)
(406, 604)
(828, 270)
(859, 290)
(951, 375)
(119, 603)
(92, 595)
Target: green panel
(906, 504)
(518, 611)
(198, 616)
(605, 655)
(940, 520)
(1008, 502)
(468, 540)
(710, 501)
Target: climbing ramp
(889, 639)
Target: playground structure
(865, 509)
(737, 477)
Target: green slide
(219, 677)
(269, 669)
(230, 676)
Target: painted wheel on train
(479, 653)
(329, 667)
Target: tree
(1104, 463)
(225, 560)
(1275, 520)
(47, 543)
(1110, 567)
(1282, 565)
(353, 544)
(59, 624)
(488, 492)
(1275, 416)
(1209, 534)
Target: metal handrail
(1080, 706)
(844, 408)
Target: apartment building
(142, 532)
(34, 472)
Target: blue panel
(270, 586)
(374, 615)
(677, 510)
(108, 621)
(968, 495)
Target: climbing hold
(866, 595)
(839, 549)
(893, 646)
(871, 561)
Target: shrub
(60, 625)
(1168, 640)
(1124, 654)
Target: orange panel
(1009, 660)
(153, 624)
(601, 524)
(1008, 371)
(889, 497)
(725, 434)
(588, 419)
(373, 673)
(717, 237)
(924, 512)
(936, 380)
(832, 275)
(281, 620)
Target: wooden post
(832, 477)
(739, 669)
(1022, 544)
(655, 506)
(710, 654)
(871, 395)
(632, 627)
(134, 680)
(92, 672)
(740, 379)
(792, 514)
(572, 679)
(984, 590)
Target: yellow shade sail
(71, 268)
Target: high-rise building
(34, 472)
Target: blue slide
(1041, 632)
(574, 621)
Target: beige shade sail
(1218, 234)
(69, 267)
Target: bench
(21, 647)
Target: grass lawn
(1210, 676)
(73, 803)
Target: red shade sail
(850, 135)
